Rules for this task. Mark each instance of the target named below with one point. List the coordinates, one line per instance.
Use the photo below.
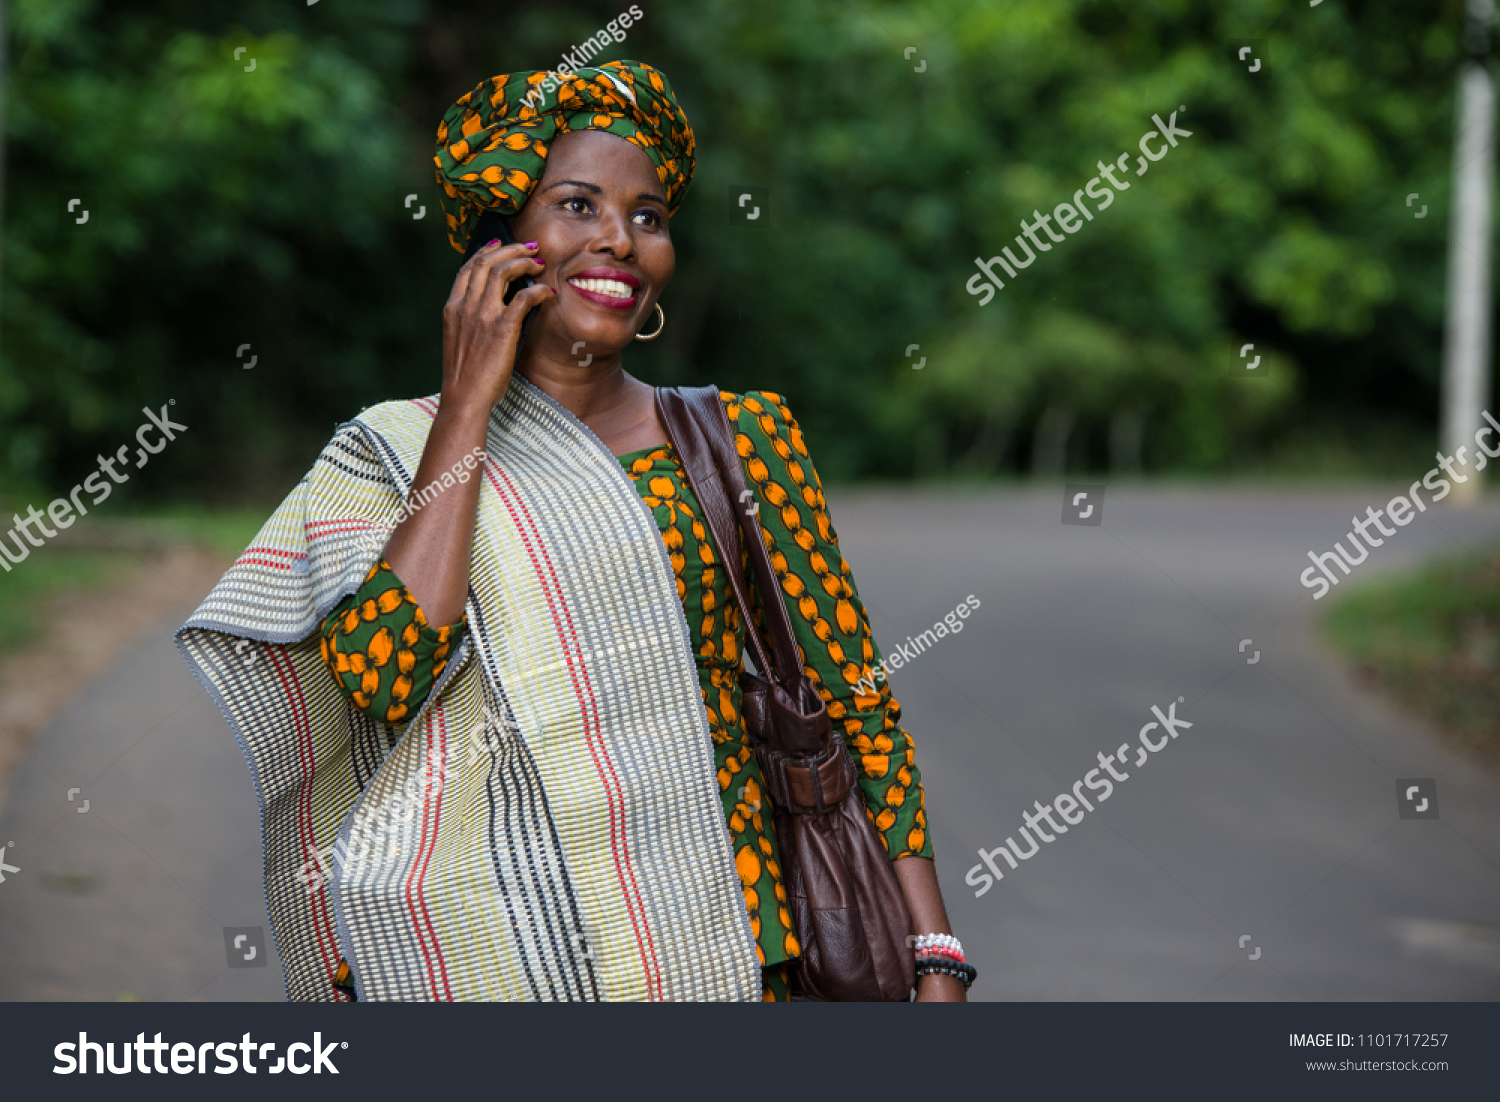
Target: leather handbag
(847, 906)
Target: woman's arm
(431, 548)
(919, 883)
(380, 650)
(840, 656)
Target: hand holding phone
(489, 227)
(485, 319)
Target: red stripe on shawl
(244, 559)
(562, 621)
(583, 691)
(322, 920)
(332, 526)
(416, 900)
(347, 525)
(247, 553)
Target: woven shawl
(548, 826)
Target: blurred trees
(268, 208)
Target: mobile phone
(489, 227)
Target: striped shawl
(548, 825)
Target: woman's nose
(615, 238)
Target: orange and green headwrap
(492, 144)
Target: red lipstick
(600, 295)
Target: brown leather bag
(847, 905)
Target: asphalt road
(1272, 820)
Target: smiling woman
(515, 712)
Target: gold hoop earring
(662, 315)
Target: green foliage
(225, 208)
(23, 590)
(266, 208)
(1432, 640)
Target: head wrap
(492, 144)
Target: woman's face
(599, 218)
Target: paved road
(1274, 816)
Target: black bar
(1050, 1050)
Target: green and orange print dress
(386, 657)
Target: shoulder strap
(695, 421)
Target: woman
(494, 721)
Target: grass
(27, 585)
(105, 553)
(1431, 641)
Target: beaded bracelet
(943, 951)
(946, 966)
(924, 940)
(931, 941)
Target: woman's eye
(582, 208)
(650, 216)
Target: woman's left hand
(924, 899)
(938, 988)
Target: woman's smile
(609, 287)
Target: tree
(269, 208)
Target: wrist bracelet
(943, 951)
(947, 966)
(927, 941)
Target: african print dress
(386, 657)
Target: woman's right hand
(430, 550)
(480, 331)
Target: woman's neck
(586, 392)
(619, 409)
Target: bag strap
(699, 429)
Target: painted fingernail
(538, 260)
(531, 244)
(492, 241)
